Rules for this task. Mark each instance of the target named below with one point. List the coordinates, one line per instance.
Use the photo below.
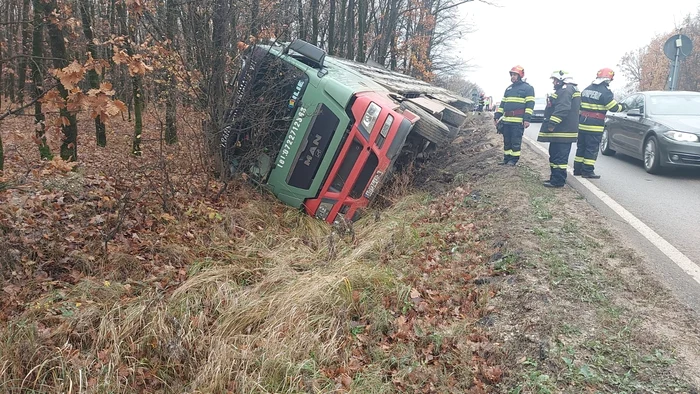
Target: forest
(126, 264)
(168, 59)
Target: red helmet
(518, 70)
(606, 73)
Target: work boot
(511, 164)
(502, 163)
(590, 175)
(551, 185)
(577, 173)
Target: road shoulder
(578, 306)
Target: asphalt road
(668, 203)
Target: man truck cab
(314, 131)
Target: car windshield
(540, 101)
(675, 105)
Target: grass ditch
(478, 281)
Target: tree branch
(11, 112)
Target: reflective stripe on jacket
(561, 115)
(596, 101)
(517, 103)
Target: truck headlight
(384, 131)
(386, 126)
(324, 209)
(370, 117)
(681, 136)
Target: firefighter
(487, 104)
(560, 125)
(481, 103)
(513, 115)
(596, 100)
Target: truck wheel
(453, 117)
(428, 126)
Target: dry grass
(267, 314)
(460, 290)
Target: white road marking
(681, 260)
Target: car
(538, 112)
(661, 128)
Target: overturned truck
(322, 133)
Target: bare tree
(631, 66)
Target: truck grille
(365, 176)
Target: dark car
(660, 128)
(538, 113)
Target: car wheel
(605, 144)
(652, 162)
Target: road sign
(677, 48)
(678, 43)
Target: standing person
(596, 100)
(513, 115)
(560, 125)
(481, 103)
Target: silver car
(538, 112)
(662, 128)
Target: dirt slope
(576, 309)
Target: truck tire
(428, 126)
(453, 117)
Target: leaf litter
(141, 275)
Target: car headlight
(682, 136)
(370, 117)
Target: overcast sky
(579, 36)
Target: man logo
(313, 151)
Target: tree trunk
(388, 32)
(361, 29)
(26, 36)
(93, 78)
(2, 156)
(215, 89)
(314, 22)
(300, 19)
(136, 79)
(341, 39)
(69, 146)
(38, 79)
(331, 28)
(350, 20)
(255, 18)
(171, 101)
(6, 36)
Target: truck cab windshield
(268, 92)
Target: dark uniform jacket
(596, 100)
(561, 115)
(517, 103)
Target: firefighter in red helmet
(513, 115)
(596, 101)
